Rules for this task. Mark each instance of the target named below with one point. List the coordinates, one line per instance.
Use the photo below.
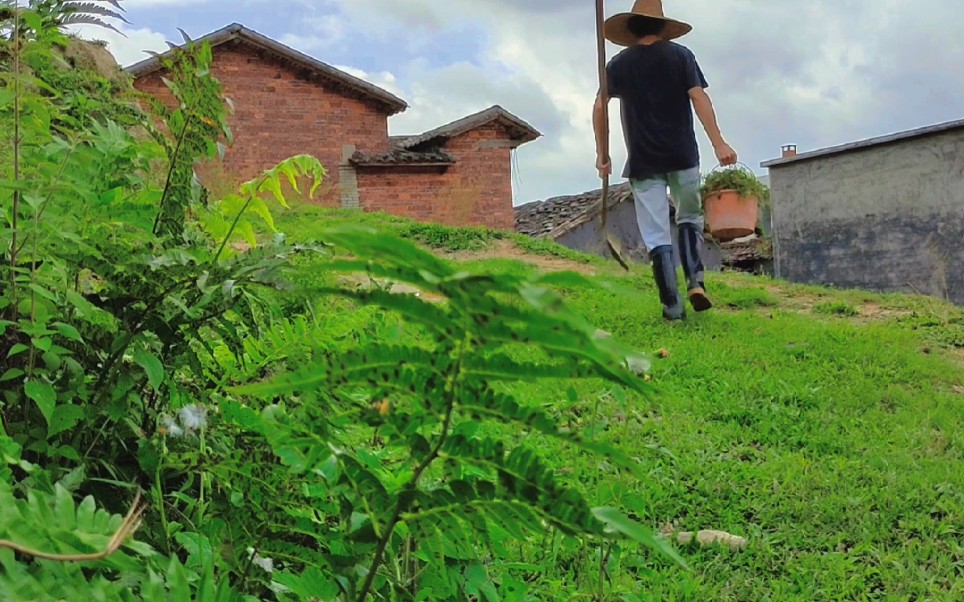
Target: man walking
(660, 84)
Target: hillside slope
(824, 426)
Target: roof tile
(522, 131)
(556, 216)
(238, 32)
(400, 156)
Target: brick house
(288, 103)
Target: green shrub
(737, 178)
(437, 236)
(837, 308)
(749, 298)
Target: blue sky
(814, 73)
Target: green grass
(825, 426)
(837, 308)
(450, 239)
(541, 246)
(307, 221)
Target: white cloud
(129, 48)
(814, 73)
(327, 31)
(383, 79)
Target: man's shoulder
(621, 56)
(680, 49)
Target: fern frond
(620, 525)
(58, 529)
(522, 476)
(410, 307)
(504, 408)
(370, 365)
(499, 366)
(368, 244)
(92, 8)
(563, 340)
(451, 524)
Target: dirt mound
(93, 56)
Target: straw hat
(617, 26)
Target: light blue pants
(652, 205)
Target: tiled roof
(425, 149)
(323, 71)
(556, 216)
(521, 131)
(400, 156)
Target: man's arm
(707, 115)
(603, 162)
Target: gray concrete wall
(622, 222)
(885, 218)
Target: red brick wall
(278, 114)
(477, 190)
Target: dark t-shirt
(653, 84)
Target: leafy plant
(136, 310)
(738, 178)
(103, 319)
(58, 14)
(445, 471)
(83, 551)
(196, 129)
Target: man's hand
(604, 165)
(725, 154)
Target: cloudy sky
(813, 73)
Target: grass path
(826, 427)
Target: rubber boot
(664, 272)
(691, 251)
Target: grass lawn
(826, 427)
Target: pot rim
(732, 190)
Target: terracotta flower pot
(729, 215)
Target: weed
(745, 297)
(837, 308)
(541, 246)
(436, 236)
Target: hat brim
(617, 29)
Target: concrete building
(884, 214)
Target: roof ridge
(325, 70)
(554, 216)
(473, 121)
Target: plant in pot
(732, 198)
